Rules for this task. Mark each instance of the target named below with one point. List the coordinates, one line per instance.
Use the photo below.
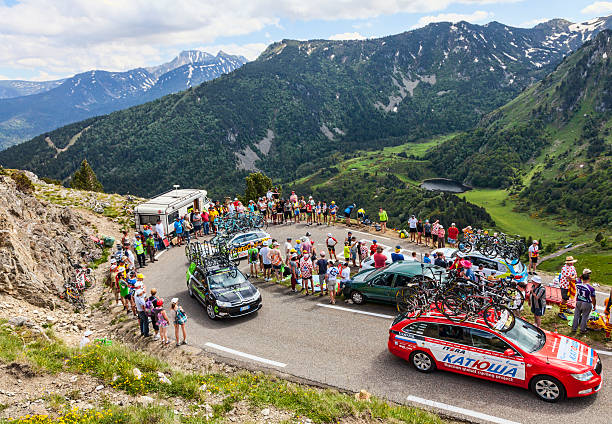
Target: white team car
(242, 242)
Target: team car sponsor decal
(573, 350)
(243, 249)
(480, 364)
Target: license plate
(244, 308)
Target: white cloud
(478, 16)
(347, 36)
(598, 8)
(533, 22)
(69, 36)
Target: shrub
(22, 182)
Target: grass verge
(594, 257)
(114, 366)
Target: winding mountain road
(346, 347)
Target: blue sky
(47, 39)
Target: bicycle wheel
(455, 309)
(406, 300)
(514, 299)
(498, 317)
(465, 247)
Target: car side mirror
(509, 352)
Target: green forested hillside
(299, 102)
(551, 145)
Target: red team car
(551, 365)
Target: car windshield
(526, 336)
(226, 279)
(375, 273)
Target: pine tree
(84, 178)
(257, 184)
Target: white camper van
(168, 206)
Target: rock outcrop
(38, 241)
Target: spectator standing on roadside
(288, 246)
(434, 233)
(567, 282)
(295, 271)
(534, 252)
(453, 235)
(363, 252)
(397, 256)
(131, 259)
(306, 269)
(347, 251)
(159, 234)
(322, 270)
(143, 319)
(441, 234)
(585, 301)
(162, 321)
(331, 243)
(277, 260)
(140, 251)
(333, 212)
(332, 281)
(412, 223)
(325, 213)
(253, 255)
(179, 319)
(345, 277)
(150, 306)
(150, 245)
(178, 230)
(383, 218)
(354, 250)
(379, 258)
(427, 232)
(264, 257)
(537, 300)
(420, 229)
(607, 323)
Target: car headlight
(585, 376)
(223, 304)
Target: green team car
(224, 291)
(382, 285)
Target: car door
(197, 280)
(381, 287)
(450, 346)
(497, 359)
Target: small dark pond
(443, 184)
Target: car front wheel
(422, 361)
(357, 298)
(210, 311)
(548, 388)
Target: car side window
(453, 333)
(501, 267)
(485, 340)
(238, 240)
(384, 280)
(250, 237)
(402, 280)
(426, 329)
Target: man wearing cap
(567, 282)
(537, 300)
(397, 256)
(143, 319)
(534, 252)
(321, 270)
(453, 235)
(264, 258)
(585, 301)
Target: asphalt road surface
(346, 347)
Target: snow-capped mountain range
(29, 108)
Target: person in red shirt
(453, 234)
(373, 247)
(379, 258)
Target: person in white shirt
(345, 276)
(85, 339)
(332, 281)
(288, 247)
(534, 252)
(412, 222)
(264, 257)
(159, 232)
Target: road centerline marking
(246, 355)
(340, 308)
(458, 410)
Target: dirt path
(70, 143)
(561, 252)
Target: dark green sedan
(381, 285)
